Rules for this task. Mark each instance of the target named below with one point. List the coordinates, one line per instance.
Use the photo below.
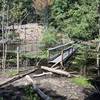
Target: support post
(62, 53)
(48, 54)
(5, 56)
(98, 62)
(98, 47)
(17, 59)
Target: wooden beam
(54, 65)
(62, 53)
(48, 54)
(37, 90)
(98, 59)
(17, 77)
(17, 59)
(60, 46)
(57, 71)
(44, 73)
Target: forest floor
(56, 86)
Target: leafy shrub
(48, 38)
(77, 18)
(30, 94)
(81, 81)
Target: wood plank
(17, 77)
(18, 59)
(57, 71)
(60, 46)
(43, 74)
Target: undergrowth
(81, 81)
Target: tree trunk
(57, 71)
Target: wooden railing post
(17, 59)
(62, 52)
(98, 60)
(48, 54)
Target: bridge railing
(59, 50)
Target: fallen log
(57, 71)
(39, 75)
(37, 90)
(17, 77)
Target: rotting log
(44, 73)
(37, 90)
(15, 78)
(57, 71)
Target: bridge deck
(66, 55)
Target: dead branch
(37, 90)
(57, 71)
(17, 77)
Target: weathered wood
(17, 77)
(48, 53)
(44, 73)
(17, 59)
(57, 71)
(54, 65)
(37, 90)
(66, 51)
(66, 55)
(62, 53)
(5, 56)
(61, 46)
(98, 60)
(57, 67)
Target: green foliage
(10, 73)
(81, 57)
(18, 9)
(27, 93)
(16, 12)
(81, 81)
(76, 18)
(30, 95)
(85, 58)
(49, 38)
(41, 55)
(12, 35)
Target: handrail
(54, 48)
(68, 48)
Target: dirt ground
(56, 86)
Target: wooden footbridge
(63, 53)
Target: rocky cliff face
(31, 35)
(30, 32)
